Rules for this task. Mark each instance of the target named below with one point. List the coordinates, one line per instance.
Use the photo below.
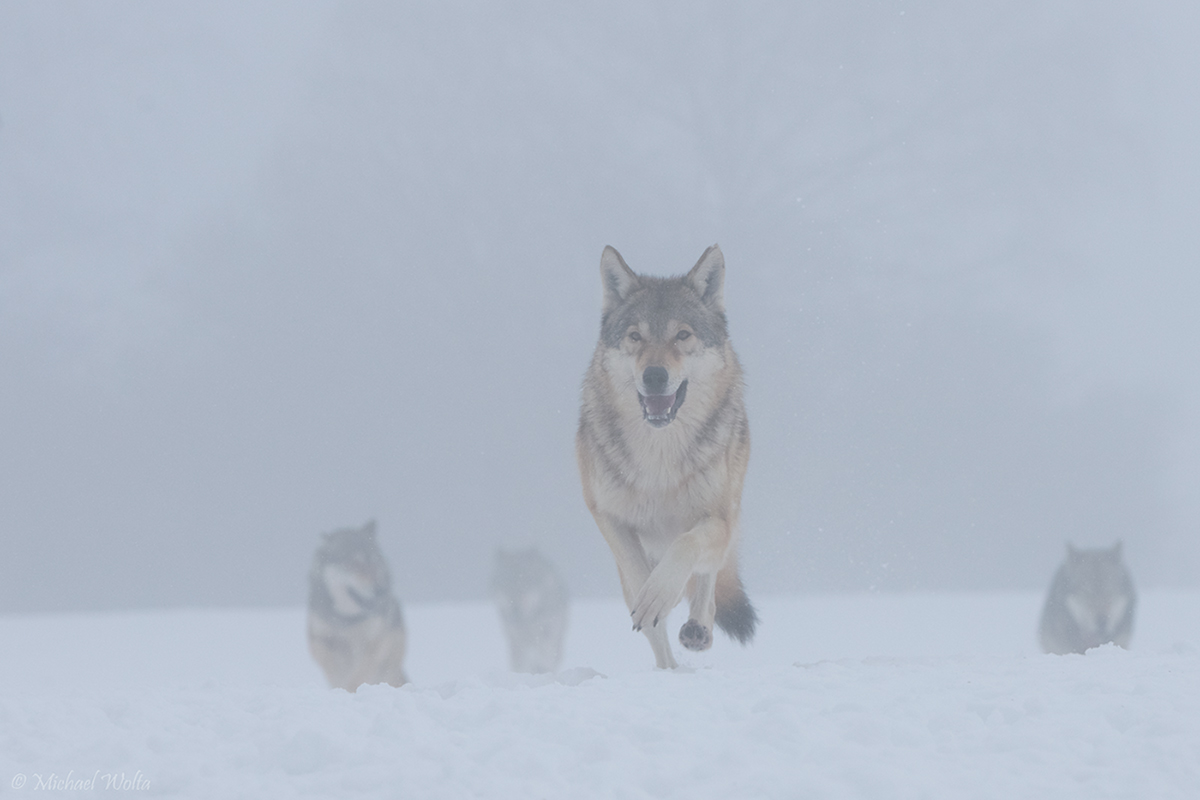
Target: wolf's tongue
(659, 404)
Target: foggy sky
(269, 271)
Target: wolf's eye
(683, 335)
(634, 336)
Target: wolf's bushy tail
(735, 615)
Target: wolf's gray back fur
(355, 628)
(1091, 602)
(532, 600)
(664, 482)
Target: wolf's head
(526, 586)
(1099, 590)
(349, 573)
(663, 333)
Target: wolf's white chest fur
(663, 499)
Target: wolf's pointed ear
(708, 278)
(369, 528)
(618, 279)
(1071, 549)
(1116, 550)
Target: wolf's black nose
(655, 380)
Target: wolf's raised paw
(695, 636)
(659, 594)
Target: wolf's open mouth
(364, 600)
(660, 409)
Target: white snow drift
(860, 697)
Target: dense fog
(271, 270)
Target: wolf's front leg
(661, 592)
(634, 571)
(699, 552)
(661, 645)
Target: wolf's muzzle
(660, 409)
(655, 380)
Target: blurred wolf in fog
(355, 629)
(663, 445)
(532, 600)
(1090, 603)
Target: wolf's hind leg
(696, 633)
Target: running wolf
(355, 629)
(532, 600)
(663, 445)
(1090, 603)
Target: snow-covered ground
(877, 696)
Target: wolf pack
(662, 447)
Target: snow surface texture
(929, 696)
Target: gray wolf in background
(355, 630)
(532, 600)
(1090, 603)
(663, 445)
